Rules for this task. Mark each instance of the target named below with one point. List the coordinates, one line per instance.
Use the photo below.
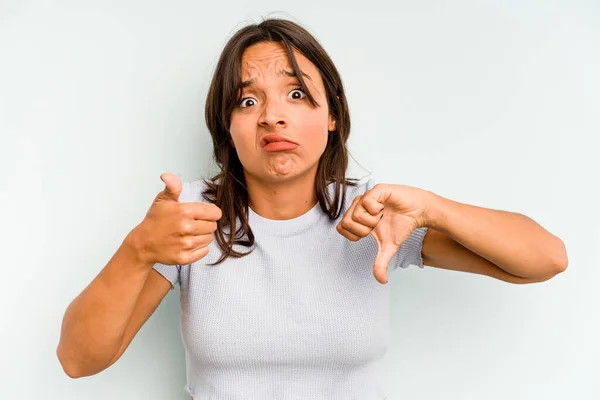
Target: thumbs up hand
(390, 213)
(174, 233)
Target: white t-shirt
(301, 317)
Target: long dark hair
(227, 189)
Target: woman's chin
(284, 171)
(281, 169)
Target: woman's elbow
(551, 270)
(561, 259)
(72, 368)
(69, 368)
(556, 264)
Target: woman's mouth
(277, 143)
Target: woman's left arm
(504, 245)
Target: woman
(287, 305)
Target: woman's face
(277, 133)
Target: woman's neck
(282, 200)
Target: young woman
(289, 299)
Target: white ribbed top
(301, 317)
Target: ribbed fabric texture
(301, 317)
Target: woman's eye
(247, 102)
(297, 94)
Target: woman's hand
(174, 233)
(390, 213)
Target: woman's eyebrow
(282, 72)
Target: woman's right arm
(100, 323)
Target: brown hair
(227, 189)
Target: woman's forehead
(271, 59)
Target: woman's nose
(273, 114)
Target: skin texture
(280, 184)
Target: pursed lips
(265, 140)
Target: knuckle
(345, 223)
(186, 210)
(186, 227)
(183, 227)
(187, 242)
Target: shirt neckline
(284, 227)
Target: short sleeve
(170, 272)
(409, 253)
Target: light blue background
(488, 103)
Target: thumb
(172, 188)
(385, 254)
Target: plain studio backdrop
(487, 103)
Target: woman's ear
(331, 125)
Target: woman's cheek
(317, 126)
(244, 145)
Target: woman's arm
(501, 244)
(96, 326)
